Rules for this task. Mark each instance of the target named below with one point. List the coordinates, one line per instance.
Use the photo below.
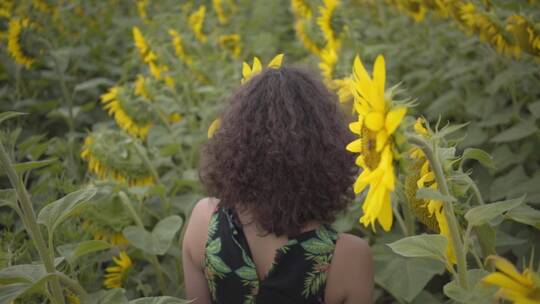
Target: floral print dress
(297, 275)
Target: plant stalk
(31, 224)
(153, 258)
(448, 209)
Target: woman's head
(280, 152)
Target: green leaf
(9, 115)
(160, 300)
(159, 240)
(431, 246)
(534, 108)
(22, 279)
(74, 251)
(218, 264)
(58, 211)
(433, 194)
(116, 296)
(247, 273)
(8, 197)
(525, 214)
(486, 238)
(93, 83)
(316, 246)
(403, 277)
(477, 293)
(518, 131)
(480, 155)
(483, 214)
(23, 167)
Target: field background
(119, 96)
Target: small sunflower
(301, 9)
(324, 21)
(231, 43)
(117, 274)
(110, 156)
(378, 119)
(223, 12)
(131, 114)
(514, 286)
(196, 22)
(14, 47)
(307, 42)
(179, 49)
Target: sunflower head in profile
(110, 155)
(379, 116)
(117, 274)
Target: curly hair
(280, 152)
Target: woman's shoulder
(197, 228)
(351, 270)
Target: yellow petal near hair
(276, 61)
(213, 127)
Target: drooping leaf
(431, 246)
(433, 194)
(159, 240)
(8, 115)
(403, 277)
(525, 214)
(56, 212)
(72, 252)
(480, 155)
(20, 168)
(483, 214)
(477, 292)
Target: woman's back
(232, 264)
(279, 160)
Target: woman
(277, 174)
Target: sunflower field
(104, 106)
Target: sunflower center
(372, 158)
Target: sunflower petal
(276, 61)
(394, 118)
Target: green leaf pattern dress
(297, 275)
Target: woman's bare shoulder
(197, 228)
(351, 271)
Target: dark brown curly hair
(280, 152)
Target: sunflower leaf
(483, 214)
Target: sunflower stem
(154, 173)
(152, 258)
(31, 225)
(448, 209)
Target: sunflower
(14, 47)
(196, 22)
(221, 13)
(324, 21)
(141, 9)
(378, 119)
(179, 49)
(109, 156)
(231, 43)
(521, 288)
(115, 103)
(301, 9)
(117, 274)
(307, 42)
(247, 73)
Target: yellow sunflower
(520, 288)
(117, 274)
(179, 49)
(231, 43)
(196, 22)
(13, 46)
(378, 119)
